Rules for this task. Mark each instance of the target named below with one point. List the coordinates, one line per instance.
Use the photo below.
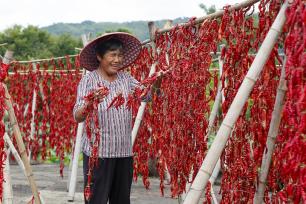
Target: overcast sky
(46, 12)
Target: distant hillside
(138, 28)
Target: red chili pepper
(117, 101)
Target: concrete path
(54, 189)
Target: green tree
(125, 30)
(27, 42)
(208, 10)
(33, 43)
(64, 44)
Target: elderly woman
(105, 57)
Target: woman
(105, 57)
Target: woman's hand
(91, 101)
(96, 96)
(157, 83)
(100, 94)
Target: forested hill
(138, 28)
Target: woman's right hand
(100, 93)
(96, 96)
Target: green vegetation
(138, 28)
(208, 10)
(32, 43)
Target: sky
(47, 12)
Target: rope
(41, 60)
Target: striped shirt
(115, 125)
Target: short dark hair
(108, 45)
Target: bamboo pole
(182, 197)
(42, 60)
(26, 110)
(72, 178)
(214, 111)
(217, 168)
(138, 119)
(235, 109)
(220, 100)
(51, 71)
(7, 185)
(33, 115)
(21, 146)
(65, 72)
(212, 180)
(17, 134)
(221, 72)
(272, 134)
(75, 159)
(211, 120)
(41, 91)
(168, 24)
(9, 142)
(85, 38)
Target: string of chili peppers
(21, 87)
(56, 93)
(288, 174)
(176, 121)
(93, 132)
(3, 74)
(140, 71)
(242, 156)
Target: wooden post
(7, 185)
(214, 111)
(212, 118)
(221, 72)
(167, 25)
(72, 178)
(17, 134)
(14, 152)
(219, 99)
(33, 115)
(41, 91)
(212, 180)
(26, 110)
(33, 109)
(272, 134)
(235, 109)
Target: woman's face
(111, 61)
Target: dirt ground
(53, 188)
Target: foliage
(208, 10)
(32, 42)
(138, 28)
(126, 30)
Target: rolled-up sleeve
(82, 91)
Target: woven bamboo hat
(131, 50)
